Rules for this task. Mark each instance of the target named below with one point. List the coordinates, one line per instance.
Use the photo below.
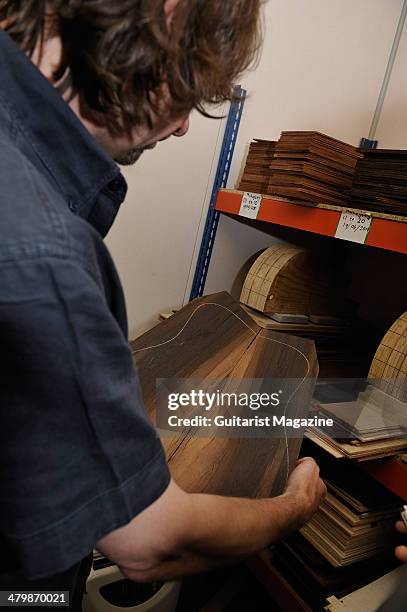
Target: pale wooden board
(361, 452)
(344, 536)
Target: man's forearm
(221, 530)
(232, 527)
(183, 533)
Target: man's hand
(306, 488)
(181, 533)
(401, 551)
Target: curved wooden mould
(288, 279)
(389, 365)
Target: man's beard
(130, 158)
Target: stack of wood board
(213, 341)
(380, 181)
(356, 519)
(305, 568)
(343, 535)
(389, 366)
(373, 426)
(354, 448)
(360, 451)
(288, 279)
(257, 171)
(316, 579)
(313, 167)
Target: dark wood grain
(231, 348)
(380, 182)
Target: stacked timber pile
(374, 425)
(306, 166)
(356, 520)
(344, 548)
(380, 182)
(257, 170)
(313, 167)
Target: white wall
(322, 68)
(155, 234)
(392, 128)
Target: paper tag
(250, 205)
(354, 226)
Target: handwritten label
(354, 226)
(250, 205)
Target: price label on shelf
(250, 205)
(354, 226)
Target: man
(81, 84)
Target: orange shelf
(386, 231)
(391, 473)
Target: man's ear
(169, 6)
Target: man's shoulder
(36, 220)
(13, 173)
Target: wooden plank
(363, 451)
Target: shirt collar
(89, 180)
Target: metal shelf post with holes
(221, 178)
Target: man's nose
(183, 128)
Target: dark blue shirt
(78, 456)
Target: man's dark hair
(117, 54)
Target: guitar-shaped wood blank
(213, 338)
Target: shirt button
(73, 205)
(116, 184)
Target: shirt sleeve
(78, 455)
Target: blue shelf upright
(221, 179)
